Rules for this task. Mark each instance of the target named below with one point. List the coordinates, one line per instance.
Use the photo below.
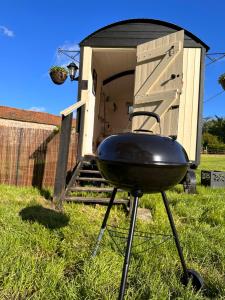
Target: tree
(209, 139)
(215, 127)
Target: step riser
(89, 173)
(91, 179)
(95, 200)
(90, 189)
(93, 189)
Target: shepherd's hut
(138, 64)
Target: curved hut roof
(132, 32)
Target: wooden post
(18, 154)
(61, 168)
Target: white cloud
(61, 58)
(6, 31)
(37, 108)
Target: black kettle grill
(141, 162)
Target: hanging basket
(58, 77)
(222, 81)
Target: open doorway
(113, 70)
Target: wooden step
(89, 157)
(88, 162)
(90, 172)
(91, 189)
(91, 179)
(94, 200)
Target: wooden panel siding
(153, 85)
(87, 126)
(28, 156)
(189, 102)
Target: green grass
(46, 255)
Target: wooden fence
(28, 156)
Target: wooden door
(158, 82)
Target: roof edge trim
(153, 21)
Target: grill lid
(142, 148)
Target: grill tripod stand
(188, 274)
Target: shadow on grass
(45, 193)
(47, 217)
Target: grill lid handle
(145, 113)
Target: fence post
(61, 167)
(18, 155)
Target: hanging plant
(58, 74)
(221, 80)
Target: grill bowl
(151, 163)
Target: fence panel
(28, 156)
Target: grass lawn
(46, 255)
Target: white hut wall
(189, 101)
(87, 124)
(98, 121)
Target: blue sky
(32, 31)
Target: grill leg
(103, 227)
(175, 235)
(128, 248)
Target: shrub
(57, 68)
(216, 148)
(221, 78)
(208, 138)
